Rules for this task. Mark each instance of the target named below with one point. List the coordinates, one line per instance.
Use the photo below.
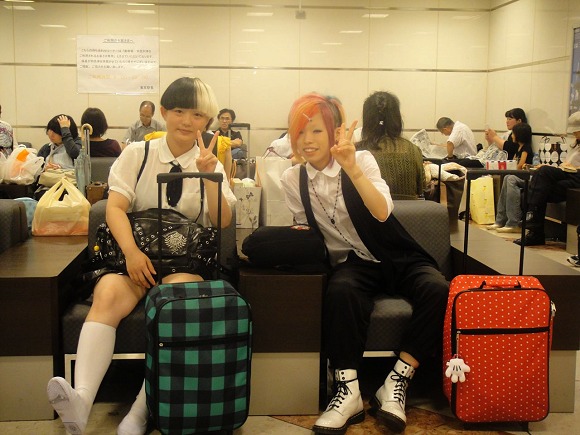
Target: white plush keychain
(456, 369)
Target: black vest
(388, 241)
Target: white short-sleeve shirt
(342, 237)
(143, 195)
(463, 140)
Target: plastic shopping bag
(273, 208)
(22, 166)
(62, 211)
(482, 206)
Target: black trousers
(549, 184)
(349, 302)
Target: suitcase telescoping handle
(472, 174)
(212, 176)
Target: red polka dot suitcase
(496, 348)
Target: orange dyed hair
(305, 107)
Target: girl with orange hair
(340, 191)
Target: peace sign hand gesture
(207, 161)
(344, 150)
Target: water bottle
(536, 159)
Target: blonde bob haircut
(305, 107)
(190, 93)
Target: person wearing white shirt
(461, 141)
(187, 106)
(370, 253)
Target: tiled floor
(428, 413)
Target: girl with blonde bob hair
(340, 192)
(187, 106)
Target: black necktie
(174, 187)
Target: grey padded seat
(130, 342)
(13, 223)
(100, 167)
(428, 223)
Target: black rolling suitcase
(198, 356)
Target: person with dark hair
(509, 208)
(461, 141)
(99, 146)
(225, 118)
(400, 161)
(65, 144)
(549, 184)
(504, 142)
(146, 124)
(187, 105)
(341, 191)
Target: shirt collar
(330, 171)
(184, 160)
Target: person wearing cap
(549, 184)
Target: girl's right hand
(140, 269)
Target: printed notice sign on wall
(126, 64)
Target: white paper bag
(273, 208)
(248, 206)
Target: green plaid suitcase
(198, 357)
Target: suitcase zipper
(196, 343)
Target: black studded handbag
(186, 245)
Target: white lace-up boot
(345, 408)
(389, 400)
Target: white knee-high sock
(94, 355)
(139, 407)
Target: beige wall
(467, 59)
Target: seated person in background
(504, 142)
(145, 124)
(499, 147)
(64, 146)
(509, 208)
(400, 161)
(100, 147)
(225, 119)
(549, 184)
(370, 254)
(7, 138)
(283, 148)
(461, 141)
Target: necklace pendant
(332, 221)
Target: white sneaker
(345, 408)
(574, 260)
(493, 227)
(132, 425)
(69, 405)
(389, 400)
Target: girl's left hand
(344, 150)
(207, 160)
